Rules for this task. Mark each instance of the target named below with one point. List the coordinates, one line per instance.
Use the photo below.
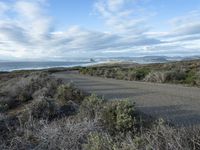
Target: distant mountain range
(141, 60)
(149, 59)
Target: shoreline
(46, 68)
(89, 64)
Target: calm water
(10, 66)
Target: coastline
(48, 67)
(81, 64)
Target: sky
(77, 29)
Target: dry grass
(19, 90)
(158, 137)
(60, 134)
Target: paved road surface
(178, 104)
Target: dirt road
(175, 103)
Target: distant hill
(150, 59)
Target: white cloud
(188, 24)
(115, 5)
(120, 19)
(32, 18)
(29, 34)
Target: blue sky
(74, 29)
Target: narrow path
(175, 103)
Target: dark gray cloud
(14, 33)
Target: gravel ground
(177, 104)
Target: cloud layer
(27, 32)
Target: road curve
(177, 104)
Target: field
(38, 111)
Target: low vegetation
(186, 72)
(40, 112)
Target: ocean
(11, 66)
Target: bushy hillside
(40, 112)
(185, 72)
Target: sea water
(10, 66)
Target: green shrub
(197, 82)
(175, 76)
(106, 141)
(131, 75)
(117, 72)
(119, 116)
(97, 141)
(120, 74)
(141, 73)
(83, 70)
(193, 78)
(67, 93)
(159, 77)
(43, 108)
(159, 136)
(7, 103)
(91, 71)
(137, 74)
(91, 107)
(16, 91)
(4, 106)
(100, 72)
(166, 76)
(25, 95)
